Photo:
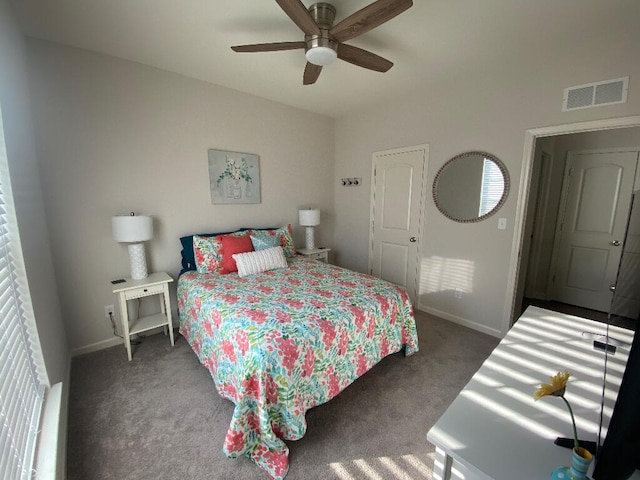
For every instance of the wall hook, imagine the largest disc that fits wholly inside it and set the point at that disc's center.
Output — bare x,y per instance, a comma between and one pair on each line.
351,181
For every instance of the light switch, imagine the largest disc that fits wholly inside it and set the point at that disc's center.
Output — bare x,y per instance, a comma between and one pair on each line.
502,223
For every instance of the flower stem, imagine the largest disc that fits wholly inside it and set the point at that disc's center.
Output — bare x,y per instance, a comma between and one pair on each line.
576,445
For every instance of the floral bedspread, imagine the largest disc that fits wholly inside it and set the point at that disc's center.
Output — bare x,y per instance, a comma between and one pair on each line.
281,342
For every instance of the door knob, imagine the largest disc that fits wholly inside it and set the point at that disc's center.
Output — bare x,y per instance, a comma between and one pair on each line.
615,243
412,239
612,287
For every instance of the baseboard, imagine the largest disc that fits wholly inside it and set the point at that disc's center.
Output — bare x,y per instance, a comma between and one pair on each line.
94,347
461,321
112,342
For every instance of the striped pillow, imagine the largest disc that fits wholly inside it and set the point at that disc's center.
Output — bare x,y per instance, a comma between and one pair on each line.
250,263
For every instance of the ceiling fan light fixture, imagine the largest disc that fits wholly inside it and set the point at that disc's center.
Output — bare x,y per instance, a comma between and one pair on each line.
321,55
321,49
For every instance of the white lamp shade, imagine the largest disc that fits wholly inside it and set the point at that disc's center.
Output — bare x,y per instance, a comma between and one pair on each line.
309,218
132,228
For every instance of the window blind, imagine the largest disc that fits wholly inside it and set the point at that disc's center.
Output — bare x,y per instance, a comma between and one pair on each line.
21,380
492,187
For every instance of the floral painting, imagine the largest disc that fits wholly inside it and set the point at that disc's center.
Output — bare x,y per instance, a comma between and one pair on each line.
234,177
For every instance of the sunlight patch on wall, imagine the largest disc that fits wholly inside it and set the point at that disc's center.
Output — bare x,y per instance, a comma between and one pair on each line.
438,274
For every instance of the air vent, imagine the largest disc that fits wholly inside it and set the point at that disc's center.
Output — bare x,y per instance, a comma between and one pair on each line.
595,94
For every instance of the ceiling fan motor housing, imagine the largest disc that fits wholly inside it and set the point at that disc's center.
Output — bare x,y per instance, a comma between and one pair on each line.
324,14
322,49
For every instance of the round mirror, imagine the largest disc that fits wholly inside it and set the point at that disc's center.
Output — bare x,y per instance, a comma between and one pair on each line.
470,187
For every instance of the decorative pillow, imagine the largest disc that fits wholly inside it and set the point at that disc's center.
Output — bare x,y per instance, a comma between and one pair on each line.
233,244
188,251
260,261
265,239
287,241
208,252
275,236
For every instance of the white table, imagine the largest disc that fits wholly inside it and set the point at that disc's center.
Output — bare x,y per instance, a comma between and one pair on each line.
495,430
154,284
320,254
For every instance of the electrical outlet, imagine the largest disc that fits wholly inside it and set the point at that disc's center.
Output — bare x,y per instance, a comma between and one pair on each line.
108,311
458,293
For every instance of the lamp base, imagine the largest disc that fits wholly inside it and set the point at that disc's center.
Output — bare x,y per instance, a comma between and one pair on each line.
309,241
137,261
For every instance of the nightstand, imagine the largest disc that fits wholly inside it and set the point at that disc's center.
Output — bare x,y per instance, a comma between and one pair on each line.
154,284
320,254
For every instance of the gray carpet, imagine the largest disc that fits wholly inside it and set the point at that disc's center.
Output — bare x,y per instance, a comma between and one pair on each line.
159,416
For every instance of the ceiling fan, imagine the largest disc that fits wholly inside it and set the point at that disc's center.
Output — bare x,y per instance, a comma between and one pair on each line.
323,41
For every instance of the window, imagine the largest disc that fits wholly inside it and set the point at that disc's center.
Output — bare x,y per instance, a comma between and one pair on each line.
492,187
22,383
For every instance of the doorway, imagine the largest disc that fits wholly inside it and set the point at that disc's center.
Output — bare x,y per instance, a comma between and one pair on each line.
528,202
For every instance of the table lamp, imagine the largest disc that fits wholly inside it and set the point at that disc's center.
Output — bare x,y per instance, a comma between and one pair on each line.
309,218
134,230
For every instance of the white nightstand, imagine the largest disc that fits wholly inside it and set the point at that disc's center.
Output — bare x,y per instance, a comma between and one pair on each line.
320,254
154,284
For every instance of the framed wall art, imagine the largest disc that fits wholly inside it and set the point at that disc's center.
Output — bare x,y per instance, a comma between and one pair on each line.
234,177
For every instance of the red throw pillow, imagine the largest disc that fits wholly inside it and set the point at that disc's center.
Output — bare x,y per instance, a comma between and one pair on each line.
234,244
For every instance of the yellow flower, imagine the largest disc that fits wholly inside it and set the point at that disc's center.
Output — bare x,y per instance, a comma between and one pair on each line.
556,386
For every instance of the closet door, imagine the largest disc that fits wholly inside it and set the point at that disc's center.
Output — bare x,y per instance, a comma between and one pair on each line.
398,193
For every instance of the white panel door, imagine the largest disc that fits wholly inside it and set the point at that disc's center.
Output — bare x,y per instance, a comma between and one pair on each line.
596,195
397,203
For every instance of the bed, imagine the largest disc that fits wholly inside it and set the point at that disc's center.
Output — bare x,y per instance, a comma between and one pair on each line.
281,341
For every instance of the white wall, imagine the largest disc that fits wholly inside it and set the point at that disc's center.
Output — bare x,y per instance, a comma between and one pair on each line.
34,237
115,136
488,106
622,137
25,183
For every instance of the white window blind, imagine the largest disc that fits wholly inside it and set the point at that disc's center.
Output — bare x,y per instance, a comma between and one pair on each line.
22,383
492,187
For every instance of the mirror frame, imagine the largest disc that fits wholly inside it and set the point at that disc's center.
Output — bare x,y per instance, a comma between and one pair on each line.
503,199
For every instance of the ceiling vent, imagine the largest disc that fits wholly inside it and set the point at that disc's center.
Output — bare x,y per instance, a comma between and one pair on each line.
595,94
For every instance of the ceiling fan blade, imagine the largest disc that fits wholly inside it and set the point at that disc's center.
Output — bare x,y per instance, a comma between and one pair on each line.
363,58
300,16
367,18
311,73
268,47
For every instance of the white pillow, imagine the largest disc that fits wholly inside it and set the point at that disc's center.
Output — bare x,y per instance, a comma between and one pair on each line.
250,263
